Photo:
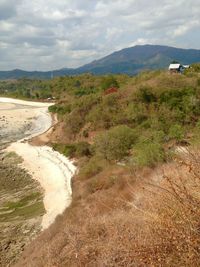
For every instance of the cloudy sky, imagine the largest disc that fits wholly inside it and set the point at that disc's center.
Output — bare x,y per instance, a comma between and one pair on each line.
52,34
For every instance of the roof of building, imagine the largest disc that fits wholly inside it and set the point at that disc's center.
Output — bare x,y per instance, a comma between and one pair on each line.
174,66
186,66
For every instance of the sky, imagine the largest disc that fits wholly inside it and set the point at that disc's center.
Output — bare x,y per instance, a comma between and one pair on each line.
54,34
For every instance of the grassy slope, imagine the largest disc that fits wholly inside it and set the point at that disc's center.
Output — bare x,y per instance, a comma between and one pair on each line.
135,202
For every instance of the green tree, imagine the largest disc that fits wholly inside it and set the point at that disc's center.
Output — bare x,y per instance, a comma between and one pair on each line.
115,143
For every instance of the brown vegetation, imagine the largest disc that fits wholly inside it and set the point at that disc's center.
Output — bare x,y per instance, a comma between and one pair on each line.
120,218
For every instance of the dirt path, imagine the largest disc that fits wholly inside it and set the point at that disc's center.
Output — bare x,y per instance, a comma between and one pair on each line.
49,167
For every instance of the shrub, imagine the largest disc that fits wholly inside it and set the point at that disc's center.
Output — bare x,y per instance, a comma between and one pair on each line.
85,103
106,114
60,109
195,67
115,143
52,108
148,153
176,131
110,101
85,133
136,112
66,149
82,149
109,81
158,136
198,124
74,123
179,99
74,150
91,168
145,95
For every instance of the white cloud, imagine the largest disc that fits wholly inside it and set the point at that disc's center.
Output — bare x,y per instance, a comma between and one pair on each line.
140,41
6,26
67,33
184,28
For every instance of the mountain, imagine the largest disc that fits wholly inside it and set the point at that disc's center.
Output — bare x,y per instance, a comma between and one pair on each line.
129,60
134,59
17,73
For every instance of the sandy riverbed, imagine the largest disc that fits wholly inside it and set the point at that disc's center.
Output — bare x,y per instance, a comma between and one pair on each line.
50,168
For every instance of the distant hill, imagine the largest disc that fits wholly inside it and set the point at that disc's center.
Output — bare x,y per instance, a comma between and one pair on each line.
129,60
17,73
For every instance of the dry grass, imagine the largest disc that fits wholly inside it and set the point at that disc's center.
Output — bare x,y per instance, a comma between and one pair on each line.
133,221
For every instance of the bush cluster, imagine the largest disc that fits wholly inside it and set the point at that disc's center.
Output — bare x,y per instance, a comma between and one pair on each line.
115,143
79,149
137,121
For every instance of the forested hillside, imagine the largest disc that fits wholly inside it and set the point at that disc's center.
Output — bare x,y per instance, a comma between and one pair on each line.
26,89
153,110
136,196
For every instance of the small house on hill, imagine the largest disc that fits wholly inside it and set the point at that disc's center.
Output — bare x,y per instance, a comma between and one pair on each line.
175,68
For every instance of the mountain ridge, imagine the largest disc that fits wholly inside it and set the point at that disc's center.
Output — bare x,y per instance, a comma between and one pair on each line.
127,60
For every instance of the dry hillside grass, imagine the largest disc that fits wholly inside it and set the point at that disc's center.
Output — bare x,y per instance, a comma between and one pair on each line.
120,218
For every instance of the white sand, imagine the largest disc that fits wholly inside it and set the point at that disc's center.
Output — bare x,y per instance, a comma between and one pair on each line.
23,102
50,168
54,173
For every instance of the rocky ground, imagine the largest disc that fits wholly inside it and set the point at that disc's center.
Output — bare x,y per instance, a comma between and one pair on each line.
21,208
17,121
21,197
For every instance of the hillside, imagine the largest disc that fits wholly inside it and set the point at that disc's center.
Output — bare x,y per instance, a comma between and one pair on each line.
129,61
142,57
136,196
17,74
